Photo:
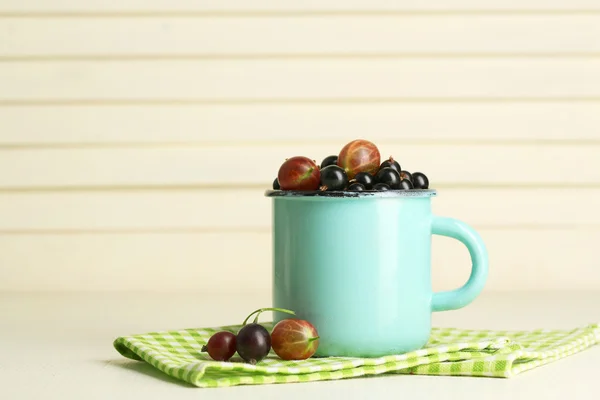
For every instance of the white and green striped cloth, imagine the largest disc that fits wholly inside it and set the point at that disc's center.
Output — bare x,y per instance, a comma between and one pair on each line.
449,352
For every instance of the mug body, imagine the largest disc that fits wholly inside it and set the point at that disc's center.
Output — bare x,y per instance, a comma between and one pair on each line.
358,268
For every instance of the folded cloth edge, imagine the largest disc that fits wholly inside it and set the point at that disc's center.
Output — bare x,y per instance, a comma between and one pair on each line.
507,358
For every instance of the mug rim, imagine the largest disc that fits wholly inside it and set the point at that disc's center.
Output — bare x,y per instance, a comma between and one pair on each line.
411,193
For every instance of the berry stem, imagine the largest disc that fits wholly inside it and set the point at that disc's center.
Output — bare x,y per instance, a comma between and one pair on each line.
312,339
204,349
260,310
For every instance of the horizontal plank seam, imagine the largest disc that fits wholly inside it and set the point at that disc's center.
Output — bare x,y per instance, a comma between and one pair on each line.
260,230
7,58
216,13
7,146
288,101
11,293
118,231
267,186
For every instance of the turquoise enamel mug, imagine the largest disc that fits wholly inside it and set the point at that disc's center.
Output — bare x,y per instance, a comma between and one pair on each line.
357,265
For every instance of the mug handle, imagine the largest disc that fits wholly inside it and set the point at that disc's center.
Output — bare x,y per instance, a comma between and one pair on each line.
458,298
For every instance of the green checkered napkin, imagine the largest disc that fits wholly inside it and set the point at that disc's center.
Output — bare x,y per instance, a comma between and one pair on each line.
449,352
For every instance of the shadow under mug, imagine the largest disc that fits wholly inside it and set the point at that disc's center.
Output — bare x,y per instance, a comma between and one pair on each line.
357,265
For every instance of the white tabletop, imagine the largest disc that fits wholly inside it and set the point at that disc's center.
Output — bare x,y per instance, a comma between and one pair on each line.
60,346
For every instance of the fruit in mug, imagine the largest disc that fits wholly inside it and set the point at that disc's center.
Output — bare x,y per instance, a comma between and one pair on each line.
381,187
420,180
359,156
333,178
356,187
221,346
299,173
391,163
294,339
253,343
406,175
356,168
405,184
390,177
366,179
330,160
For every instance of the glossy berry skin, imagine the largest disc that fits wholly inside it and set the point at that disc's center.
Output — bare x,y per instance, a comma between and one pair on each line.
356,187
406,175
333,178
294,339
359,156
405,184
330,160
299,173
221,346
276,184
390,177
253,343
391,163
420,180
366,179
381,187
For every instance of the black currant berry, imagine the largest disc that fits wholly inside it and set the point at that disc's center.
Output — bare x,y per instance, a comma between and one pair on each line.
390,177
381,187
253,343
420,180
391,163
333,178
366,179
405,184
406,175
356,187
327,161
276,184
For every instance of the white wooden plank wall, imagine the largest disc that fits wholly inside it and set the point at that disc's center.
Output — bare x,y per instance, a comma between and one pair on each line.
137,137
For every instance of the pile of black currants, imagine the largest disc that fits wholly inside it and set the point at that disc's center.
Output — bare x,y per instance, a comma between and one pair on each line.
357,168
389,177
